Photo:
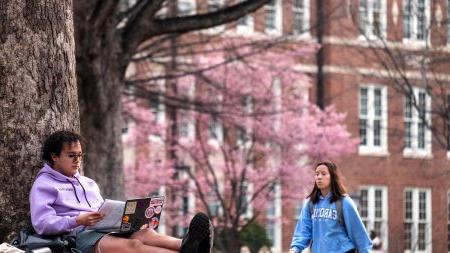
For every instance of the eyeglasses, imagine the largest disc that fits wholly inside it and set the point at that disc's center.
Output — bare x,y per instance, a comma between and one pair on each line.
75,157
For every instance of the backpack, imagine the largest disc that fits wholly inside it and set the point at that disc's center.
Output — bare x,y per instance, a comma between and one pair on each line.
28,240
340,214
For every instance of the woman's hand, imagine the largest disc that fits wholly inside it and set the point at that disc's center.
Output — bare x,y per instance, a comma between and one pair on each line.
89,219
292,251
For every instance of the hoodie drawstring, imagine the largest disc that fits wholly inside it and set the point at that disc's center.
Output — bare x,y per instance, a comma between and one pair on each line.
84,191
75,191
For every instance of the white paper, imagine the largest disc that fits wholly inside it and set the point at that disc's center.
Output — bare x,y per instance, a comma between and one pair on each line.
113,210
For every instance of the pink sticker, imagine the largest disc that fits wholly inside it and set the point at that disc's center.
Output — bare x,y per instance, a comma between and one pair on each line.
149,212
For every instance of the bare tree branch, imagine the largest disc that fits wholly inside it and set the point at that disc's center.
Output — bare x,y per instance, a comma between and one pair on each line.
146,26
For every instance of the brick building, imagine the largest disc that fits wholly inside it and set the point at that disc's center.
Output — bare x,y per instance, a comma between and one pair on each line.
383,62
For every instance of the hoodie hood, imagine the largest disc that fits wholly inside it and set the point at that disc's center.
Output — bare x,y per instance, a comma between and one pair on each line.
47,169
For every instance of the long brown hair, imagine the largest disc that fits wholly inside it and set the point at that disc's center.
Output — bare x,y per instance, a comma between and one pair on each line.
337,189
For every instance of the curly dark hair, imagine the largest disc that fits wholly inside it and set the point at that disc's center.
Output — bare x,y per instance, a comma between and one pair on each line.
54,143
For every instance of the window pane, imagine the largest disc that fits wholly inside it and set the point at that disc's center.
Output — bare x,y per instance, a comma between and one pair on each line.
407,11
408,135
377,102
422,206
214,5
408,205
408,107
377,227
363,102
377,15
363,203
214,128
185,205
299,16
363,16
408,234
377,133
363,132
378,204
270,230
270,15
421,236
421,20
185,8
422,105
421,135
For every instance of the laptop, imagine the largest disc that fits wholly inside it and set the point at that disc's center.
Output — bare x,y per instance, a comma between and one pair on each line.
129,216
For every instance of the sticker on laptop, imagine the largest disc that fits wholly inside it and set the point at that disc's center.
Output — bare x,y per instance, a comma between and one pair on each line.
156,201
149,212
126,227
158,209
130,208
154,222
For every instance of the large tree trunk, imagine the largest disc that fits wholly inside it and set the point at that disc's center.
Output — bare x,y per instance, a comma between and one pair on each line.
100,74
38,95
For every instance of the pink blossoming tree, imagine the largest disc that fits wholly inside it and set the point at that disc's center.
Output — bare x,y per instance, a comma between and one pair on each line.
248,136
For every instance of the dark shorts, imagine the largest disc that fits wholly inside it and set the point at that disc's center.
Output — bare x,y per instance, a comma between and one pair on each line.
86,239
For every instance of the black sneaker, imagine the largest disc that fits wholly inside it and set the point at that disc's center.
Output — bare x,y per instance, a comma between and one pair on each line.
206,246
198,234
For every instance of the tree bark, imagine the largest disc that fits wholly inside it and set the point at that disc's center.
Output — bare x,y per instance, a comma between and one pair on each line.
100,75
38,95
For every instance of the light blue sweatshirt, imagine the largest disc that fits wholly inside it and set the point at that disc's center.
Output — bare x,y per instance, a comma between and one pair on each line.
325,231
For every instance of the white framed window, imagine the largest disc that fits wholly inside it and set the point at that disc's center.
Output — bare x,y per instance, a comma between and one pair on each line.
215,129
186,127
301,13
157,108
373,120
244,131
277,101
187,197
417,122
273,20
373,208
372,18
246,196
416,20
273,215
417,219
186,7
245,24
215,5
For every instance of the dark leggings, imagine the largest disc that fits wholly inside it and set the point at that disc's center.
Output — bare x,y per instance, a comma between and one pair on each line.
351,251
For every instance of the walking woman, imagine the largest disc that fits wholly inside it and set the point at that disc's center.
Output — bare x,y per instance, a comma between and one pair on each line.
329,221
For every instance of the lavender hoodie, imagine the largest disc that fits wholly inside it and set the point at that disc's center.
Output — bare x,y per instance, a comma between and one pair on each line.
56,200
